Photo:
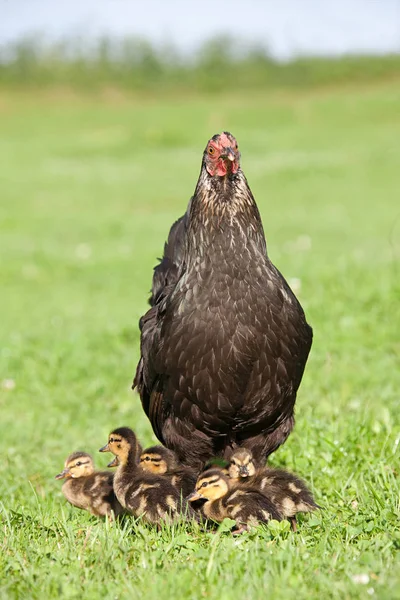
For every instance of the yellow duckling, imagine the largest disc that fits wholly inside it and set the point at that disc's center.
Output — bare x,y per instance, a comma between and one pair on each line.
89,489
161,461
287,491
223,499
144,494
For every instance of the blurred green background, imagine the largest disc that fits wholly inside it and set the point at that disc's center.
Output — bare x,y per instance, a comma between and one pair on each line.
98,157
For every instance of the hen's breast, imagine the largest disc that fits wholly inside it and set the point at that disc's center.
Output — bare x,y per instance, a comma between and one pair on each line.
227,327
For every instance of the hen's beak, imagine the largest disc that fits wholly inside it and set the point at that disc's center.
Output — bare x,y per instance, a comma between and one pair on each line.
105,448
243,471
63,474
228,153
194,496
114,463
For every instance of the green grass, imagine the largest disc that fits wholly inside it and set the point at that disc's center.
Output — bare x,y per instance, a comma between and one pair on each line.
89,188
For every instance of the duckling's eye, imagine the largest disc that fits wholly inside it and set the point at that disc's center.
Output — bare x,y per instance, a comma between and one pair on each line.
204,484
147,458
211,150
78,464
111,441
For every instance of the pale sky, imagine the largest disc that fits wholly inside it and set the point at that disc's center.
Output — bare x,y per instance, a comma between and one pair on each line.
287,27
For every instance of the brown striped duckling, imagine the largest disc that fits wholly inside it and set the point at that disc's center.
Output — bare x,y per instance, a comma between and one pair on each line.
287,491
161,461
223,499
89,489
147,495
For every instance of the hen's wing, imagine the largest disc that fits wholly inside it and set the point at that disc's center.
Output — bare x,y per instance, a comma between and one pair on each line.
167,271
165,276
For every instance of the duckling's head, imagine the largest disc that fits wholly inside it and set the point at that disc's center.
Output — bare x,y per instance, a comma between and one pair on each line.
241,464
211,485
158,459
78,464
123,443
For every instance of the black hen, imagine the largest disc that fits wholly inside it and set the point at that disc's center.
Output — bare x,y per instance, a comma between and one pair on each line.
225,343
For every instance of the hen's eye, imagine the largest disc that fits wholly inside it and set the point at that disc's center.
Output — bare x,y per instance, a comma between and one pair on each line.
211,150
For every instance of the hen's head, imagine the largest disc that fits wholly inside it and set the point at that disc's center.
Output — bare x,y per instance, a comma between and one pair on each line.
222,156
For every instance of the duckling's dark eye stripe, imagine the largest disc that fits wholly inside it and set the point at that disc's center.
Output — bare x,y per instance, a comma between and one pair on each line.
80,463
148,459
209,481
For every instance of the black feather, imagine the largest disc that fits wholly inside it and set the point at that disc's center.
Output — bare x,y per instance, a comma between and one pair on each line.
225,343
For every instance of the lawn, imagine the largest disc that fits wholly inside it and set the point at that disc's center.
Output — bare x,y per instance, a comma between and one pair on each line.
89,188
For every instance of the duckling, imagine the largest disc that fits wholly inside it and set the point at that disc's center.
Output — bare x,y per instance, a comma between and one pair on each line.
216,462
161,461
287,491
89,489
224,499
144,494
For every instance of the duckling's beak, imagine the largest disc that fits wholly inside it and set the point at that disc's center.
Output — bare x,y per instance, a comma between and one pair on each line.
113,463
63,474
194,496
105,448
243,471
